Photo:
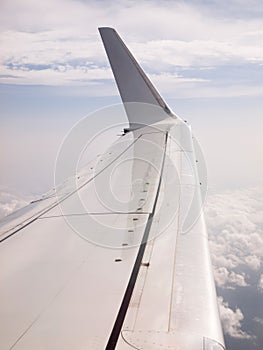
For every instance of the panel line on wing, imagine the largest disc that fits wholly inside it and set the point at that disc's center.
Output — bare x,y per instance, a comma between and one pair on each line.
114,336
43,212
13,230
97,213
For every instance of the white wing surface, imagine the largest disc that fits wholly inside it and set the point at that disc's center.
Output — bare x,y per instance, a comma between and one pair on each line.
115,262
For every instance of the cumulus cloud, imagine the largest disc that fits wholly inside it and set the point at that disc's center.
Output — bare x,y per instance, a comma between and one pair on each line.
235,229
232,320
236,235
253,261
223,278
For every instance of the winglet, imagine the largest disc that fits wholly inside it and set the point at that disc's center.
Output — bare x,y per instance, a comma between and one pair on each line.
132,82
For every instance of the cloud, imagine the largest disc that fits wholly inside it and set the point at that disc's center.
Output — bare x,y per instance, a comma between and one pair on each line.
260,283
223,278
236,235
9,203
253,261
231,320
258,320
235,229
43,45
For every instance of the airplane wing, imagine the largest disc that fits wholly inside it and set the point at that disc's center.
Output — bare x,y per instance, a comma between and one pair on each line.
116,257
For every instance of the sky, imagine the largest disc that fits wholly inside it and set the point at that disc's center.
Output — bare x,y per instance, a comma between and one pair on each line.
205,58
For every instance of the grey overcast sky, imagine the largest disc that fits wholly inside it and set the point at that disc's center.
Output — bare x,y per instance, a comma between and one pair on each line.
206,59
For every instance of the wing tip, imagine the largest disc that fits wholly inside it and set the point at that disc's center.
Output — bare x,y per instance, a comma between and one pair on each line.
103,29
132,82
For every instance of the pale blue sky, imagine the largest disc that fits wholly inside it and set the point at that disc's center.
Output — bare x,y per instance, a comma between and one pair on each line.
205,57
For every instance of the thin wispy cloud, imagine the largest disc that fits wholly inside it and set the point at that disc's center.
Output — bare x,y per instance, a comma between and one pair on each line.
63,48
260,283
